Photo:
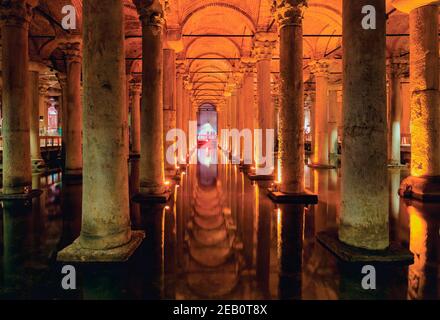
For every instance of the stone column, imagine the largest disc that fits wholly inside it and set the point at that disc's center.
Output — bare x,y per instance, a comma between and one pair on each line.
291,144
180,99
364,200
264,45
333,123
320,69
395,73
105,233
169,104
15,18
424,182
62,79
72,131
248,66
135,93
152,176
35,100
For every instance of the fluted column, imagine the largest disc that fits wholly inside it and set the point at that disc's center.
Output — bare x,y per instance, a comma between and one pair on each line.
105,232
424,182
152,149
320,69
15,18
72,131
364,200
135,94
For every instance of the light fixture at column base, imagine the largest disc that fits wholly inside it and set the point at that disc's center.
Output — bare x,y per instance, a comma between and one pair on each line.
305,197
244,167
152,198
21,196
76,253
320,166
394,254
426,189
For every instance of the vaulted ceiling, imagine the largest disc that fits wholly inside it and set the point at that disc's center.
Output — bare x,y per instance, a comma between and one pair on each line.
233,22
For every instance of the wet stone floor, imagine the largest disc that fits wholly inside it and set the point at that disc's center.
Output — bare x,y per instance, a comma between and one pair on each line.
219,238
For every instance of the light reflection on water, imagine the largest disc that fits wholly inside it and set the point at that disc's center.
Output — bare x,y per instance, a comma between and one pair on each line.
221,237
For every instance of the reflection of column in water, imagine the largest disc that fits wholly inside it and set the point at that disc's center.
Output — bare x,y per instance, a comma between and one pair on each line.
71,207
425,244
17,244
394,195
390,282
248,223
320,178
153,249
134,183
169,251
290,229
263,239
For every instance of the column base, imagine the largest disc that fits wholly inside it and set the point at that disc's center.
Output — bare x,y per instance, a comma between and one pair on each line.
396,165
134,155
72,175
152,197
260,177
425,189
394,254
38,165
244,167
320,166
21,196
305,197
75,253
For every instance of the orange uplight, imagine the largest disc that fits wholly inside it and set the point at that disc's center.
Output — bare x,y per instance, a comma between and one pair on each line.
167,183
167,208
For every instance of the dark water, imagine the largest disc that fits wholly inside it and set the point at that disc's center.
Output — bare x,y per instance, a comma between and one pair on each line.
220,237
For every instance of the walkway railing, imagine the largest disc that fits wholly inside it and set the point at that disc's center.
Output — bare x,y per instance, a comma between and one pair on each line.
45,142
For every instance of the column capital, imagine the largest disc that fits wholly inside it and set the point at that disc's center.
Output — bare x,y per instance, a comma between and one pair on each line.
17,13
62,79
320,68
264,44
181,68
135,86
289,12
408,5
151,13
71,47
247,65
397,68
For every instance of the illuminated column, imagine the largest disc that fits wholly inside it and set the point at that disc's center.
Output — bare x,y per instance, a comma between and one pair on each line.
424,182
320,68
180,72
135,93
395,73
38,95
364,203
291,144
333,122
169,104
105,232
15,18
248,92
152,151
72,130
264,45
